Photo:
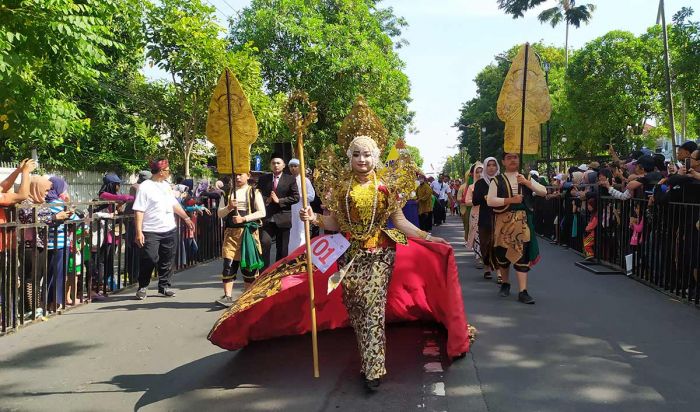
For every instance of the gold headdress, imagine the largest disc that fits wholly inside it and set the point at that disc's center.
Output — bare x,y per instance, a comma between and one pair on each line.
362,122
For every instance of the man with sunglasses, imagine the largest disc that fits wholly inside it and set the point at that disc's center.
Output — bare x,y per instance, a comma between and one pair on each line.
155,208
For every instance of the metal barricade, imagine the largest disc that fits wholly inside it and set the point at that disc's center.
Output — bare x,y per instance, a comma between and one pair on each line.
86,257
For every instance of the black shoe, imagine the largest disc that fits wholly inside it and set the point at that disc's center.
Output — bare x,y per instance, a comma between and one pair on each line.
168,293
487,275
505,290
372,384
225,301
525,297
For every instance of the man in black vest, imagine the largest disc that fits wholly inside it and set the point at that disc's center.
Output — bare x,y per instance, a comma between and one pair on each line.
510,196
279,192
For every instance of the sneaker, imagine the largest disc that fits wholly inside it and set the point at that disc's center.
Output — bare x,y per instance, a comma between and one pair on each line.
525,297
505,290
225,301
141,293
168,293
487,275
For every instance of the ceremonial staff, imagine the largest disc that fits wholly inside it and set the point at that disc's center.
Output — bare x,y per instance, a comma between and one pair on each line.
230,136
298,124
522,118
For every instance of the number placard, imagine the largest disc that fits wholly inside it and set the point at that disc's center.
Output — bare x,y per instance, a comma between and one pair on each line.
325,250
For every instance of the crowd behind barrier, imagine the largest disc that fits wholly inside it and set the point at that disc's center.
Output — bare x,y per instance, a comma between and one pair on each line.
85,257
655,243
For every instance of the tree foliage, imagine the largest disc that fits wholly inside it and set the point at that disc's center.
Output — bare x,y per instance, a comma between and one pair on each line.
334,50
50,52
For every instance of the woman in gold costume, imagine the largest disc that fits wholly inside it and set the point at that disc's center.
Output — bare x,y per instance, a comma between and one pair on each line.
362,198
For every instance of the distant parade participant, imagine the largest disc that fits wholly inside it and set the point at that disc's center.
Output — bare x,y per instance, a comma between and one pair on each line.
514,236
481,190
155,208
296,233
241,245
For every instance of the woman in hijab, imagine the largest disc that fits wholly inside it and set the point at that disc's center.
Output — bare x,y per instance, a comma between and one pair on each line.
473,235
111,184
58,244
485,225
34,210
462,199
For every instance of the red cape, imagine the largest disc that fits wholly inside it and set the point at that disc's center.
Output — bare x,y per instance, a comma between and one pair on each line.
424,286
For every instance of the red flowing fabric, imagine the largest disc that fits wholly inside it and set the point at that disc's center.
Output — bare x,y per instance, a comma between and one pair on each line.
423,286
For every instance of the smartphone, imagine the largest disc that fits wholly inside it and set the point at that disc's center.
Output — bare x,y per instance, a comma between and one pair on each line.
687,164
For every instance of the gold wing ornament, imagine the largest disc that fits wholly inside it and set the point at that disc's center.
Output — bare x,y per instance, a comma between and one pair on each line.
538,106
244,126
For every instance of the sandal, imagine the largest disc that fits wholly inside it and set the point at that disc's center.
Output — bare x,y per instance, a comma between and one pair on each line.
487,275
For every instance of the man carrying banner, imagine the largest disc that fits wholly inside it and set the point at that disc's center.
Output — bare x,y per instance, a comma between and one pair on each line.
241,245
514,235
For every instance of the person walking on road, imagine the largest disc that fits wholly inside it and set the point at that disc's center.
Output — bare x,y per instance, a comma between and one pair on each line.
514,236
155,208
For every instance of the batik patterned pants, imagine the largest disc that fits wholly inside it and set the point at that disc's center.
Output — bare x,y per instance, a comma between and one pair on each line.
364,295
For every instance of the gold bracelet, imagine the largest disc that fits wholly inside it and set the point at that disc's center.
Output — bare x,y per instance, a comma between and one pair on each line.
423,234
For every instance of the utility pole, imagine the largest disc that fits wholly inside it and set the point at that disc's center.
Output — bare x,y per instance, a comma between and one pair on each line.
661,17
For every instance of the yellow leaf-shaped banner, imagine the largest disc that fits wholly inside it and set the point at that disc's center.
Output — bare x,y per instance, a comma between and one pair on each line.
244,128
538,106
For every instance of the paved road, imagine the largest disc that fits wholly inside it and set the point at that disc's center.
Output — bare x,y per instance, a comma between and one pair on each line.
595,343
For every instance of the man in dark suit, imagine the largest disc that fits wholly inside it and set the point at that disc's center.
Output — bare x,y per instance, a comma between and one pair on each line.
280,192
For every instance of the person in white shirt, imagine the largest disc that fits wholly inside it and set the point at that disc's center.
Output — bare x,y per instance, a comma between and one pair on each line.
514,237
296,233
440,188
155,208
242,221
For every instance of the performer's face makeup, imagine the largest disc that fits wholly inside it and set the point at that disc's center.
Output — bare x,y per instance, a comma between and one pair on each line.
491,167
362,161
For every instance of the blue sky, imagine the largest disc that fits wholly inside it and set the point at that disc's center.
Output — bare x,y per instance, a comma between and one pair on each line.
452,40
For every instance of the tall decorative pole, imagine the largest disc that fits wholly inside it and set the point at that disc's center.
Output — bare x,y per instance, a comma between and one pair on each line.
299,123
661,18
522,118
230,134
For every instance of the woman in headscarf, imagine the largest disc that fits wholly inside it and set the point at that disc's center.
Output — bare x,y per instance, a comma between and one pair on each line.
58,243
463,208
36,239
473,235
491,169
109,192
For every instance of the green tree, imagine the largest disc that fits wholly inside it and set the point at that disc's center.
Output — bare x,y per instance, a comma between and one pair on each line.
185,41
334,50
49,53
685,47
568,12
415,155
612,92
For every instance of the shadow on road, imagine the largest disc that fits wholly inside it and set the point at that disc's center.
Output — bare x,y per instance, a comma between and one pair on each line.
283,367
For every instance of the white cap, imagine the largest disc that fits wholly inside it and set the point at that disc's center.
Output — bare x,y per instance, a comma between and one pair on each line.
294,162
583,167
